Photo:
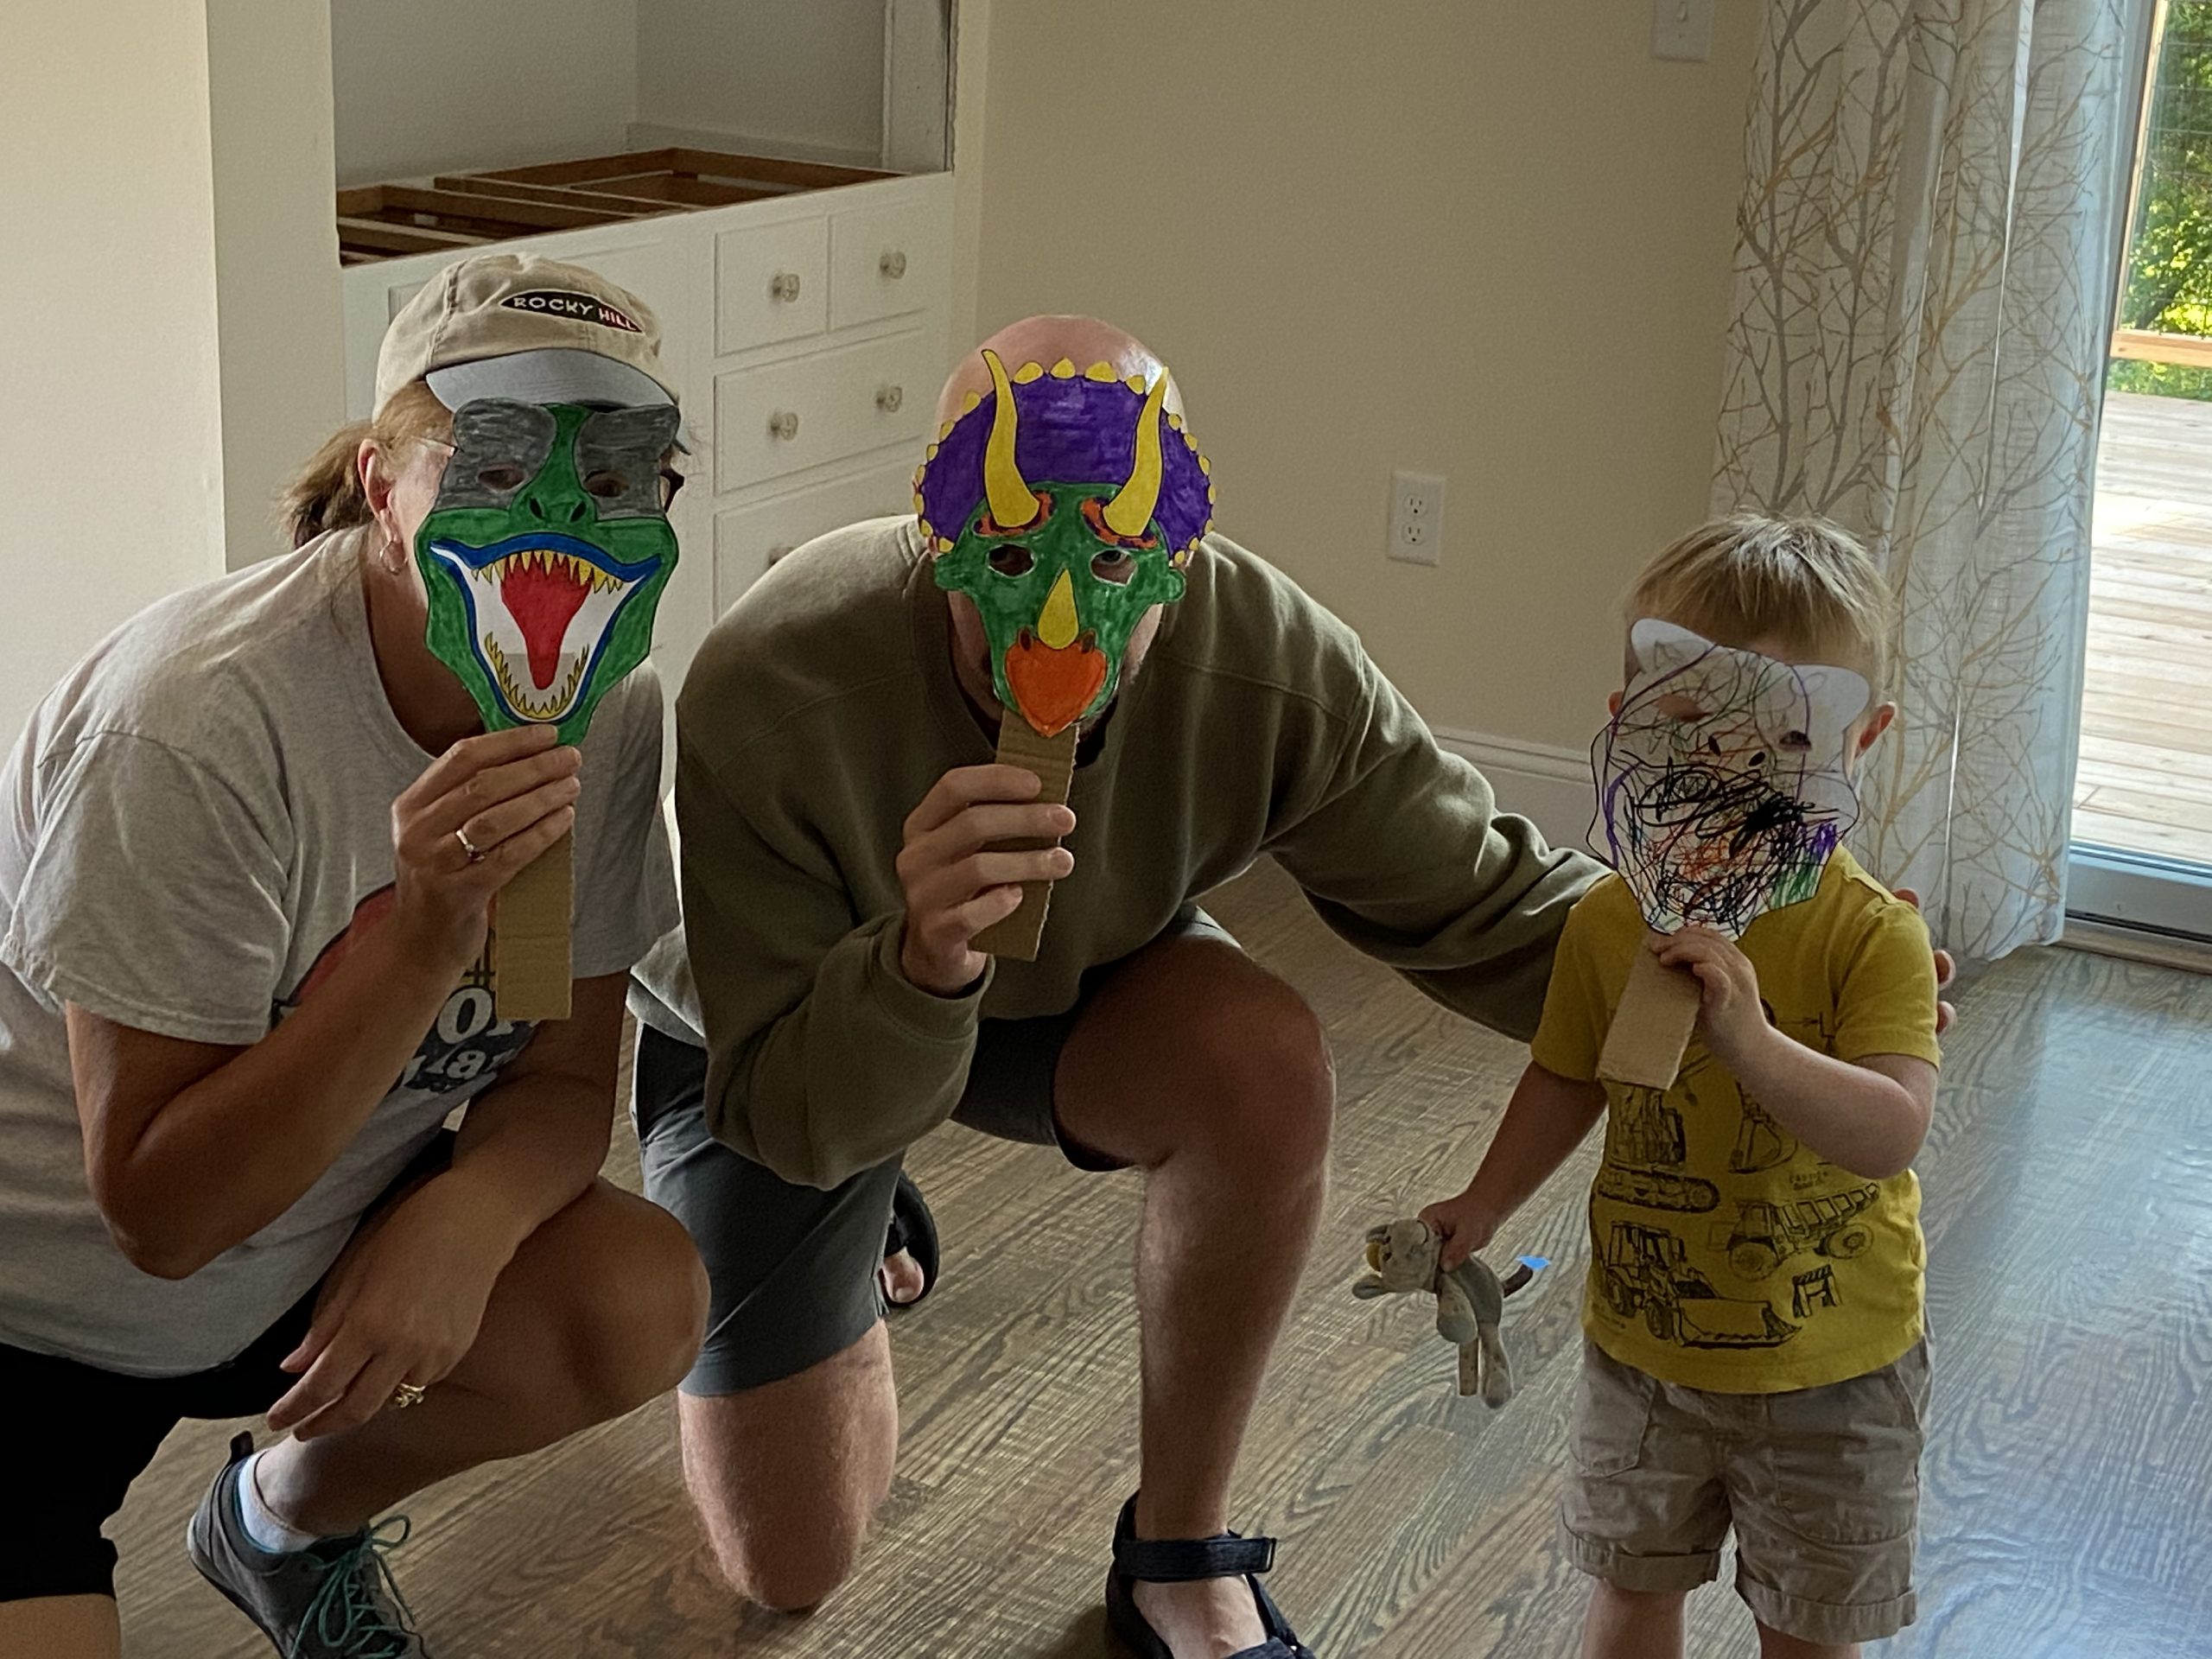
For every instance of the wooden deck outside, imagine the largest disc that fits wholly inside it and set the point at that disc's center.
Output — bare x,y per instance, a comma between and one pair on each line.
2146,779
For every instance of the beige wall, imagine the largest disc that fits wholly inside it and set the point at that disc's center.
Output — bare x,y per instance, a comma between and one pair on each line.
107,274
1486,239
808,76
424,85
282,339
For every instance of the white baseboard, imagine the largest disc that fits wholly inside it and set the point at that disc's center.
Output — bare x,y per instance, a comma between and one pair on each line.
1549,785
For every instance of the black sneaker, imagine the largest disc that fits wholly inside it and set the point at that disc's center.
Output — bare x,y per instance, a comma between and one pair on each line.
334,1599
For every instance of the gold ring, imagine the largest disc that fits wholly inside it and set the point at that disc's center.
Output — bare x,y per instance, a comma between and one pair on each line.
476,853
406,1394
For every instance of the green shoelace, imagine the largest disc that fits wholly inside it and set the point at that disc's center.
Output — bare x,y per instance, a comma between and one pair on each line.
347,1615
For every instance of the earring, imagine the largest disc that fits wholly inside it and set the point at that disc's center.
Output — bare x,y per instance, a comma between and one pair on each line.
391,557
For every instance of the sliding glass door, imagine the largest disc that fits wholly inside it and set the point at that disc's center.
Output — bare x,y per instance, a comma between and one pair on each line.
2142,852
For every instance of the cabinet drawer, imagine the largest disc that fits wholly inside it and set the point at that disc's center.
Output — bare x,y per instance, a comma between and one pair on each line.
886,262
747,540
807,412
771,282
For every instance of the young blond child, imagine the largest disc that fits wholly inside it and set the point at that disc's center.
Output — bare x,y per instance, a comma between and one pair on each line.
1755,1353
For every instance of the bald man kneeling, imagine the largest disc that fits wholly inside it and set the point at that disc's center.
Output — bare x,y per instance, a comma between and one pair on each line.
843,826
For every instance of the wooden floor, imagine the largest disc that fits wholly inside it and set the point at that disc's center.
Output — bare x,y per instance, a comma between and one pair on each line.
2070,1204
2146,778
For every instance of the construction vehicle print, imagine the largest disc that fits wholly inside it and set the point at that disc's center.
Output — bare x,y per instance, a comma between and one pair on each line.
1815,1289
1767,1234
1761,1143
1657,1189
1645,1271
1642,1129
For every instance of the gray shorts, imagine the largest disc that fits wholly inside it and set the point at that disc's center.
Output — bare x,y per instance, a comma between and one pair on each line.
794,1268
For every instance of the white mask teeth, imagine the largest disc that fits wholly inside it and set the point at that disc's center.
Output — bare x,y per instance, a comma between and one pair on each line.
577,568
501,647
549,708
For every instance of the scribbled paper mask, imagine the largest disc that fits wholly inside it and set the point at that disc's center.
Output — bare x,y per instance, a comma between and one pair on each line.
1722,783
546,554
1065,504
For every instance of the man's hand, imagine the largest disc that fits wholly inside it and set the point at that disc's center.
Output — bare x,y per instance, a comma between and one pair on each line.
1730,1011
1945,970
955,887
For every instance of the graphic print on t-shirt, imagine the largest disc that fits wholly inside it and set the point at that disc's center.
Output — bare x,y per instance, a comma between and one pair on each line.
465,1041
1785,1204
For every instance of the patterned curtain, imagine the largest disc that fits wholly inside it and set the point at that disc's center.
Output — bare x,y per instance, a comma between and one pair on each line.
1923,290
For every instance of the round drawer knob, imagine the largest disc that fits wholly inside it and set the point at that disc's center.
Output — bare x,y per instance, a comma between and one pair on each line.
784,285
784,423
893,264
888,399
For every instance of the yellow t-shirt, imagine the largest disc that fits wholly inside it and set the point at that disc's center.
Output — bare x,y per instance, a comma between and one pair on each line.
1723,1254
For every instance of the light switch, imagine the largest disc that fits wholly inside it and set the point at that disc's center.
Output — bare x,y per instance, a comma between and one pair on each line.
1681,29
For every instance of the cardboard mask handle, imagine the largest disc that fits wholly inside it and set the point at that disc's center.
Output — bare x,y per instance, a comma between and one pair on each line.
1053,759
1651,1027
530,977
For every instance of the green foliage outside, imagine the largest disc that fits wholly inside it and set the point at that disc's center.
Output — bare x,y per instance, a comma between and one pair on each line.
2168,288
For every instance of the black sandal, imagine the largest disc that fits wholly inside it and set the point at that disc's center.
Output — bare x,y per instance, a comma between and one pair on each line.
913,1229
1177,1561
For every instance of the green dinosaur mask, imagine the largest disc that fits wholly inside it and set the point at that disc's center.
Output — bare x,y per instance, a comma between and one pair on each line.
1059,603
546,554
1064,544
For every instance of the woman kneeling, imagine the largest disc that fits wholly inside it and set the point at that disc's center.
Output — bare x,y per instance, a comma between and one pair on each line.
247,856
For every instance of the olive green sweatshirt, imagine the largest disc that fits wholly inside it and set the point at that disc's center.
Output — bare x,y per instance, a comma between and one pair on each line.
823,707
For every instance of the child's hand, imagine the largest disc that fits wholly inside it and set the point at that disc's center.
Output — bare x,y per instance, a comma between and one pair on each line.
1464,1223
1730,1013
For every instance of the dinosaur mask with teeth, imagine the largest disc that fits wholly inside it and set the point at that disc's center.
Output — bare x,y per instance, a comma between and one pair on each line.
1066,505
546,554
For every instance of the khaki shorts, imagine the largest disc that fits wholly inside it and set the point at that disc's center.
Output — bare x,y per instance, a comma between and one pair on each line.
1821,1485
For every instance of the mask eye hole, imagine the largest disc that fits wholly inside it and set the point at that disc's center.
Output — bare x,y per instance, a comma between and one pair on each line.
607,486
1676,706
1797,742
1116,565
502,479
1012,560
1094,515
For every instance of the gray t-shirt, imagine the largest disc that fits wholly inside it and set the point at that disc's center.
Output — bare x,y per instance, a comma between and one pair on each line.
194,826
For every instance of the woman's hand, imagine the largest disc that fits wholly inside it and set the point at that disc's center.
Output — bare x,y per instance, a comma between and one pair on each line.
403,1305
510,795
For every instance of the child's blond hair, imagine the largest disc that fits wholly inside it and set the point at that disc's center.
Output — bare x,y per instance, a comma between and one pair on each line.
1750,575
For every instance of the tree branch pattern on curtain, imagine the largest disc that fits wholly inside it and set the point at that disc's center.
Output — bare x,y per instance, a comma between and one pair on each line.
1923,284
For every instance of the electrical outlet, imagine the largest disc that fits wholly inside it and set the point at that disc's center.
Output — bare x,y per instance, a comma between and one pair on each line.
1416,516
1682,31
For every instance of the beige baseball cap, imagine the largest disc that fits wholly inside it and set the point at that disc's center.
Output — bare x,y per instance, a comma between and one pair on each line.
537,330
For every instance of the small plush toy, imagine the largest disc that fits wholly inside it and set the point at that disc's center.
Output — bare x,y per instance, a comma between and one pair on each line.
1470,1299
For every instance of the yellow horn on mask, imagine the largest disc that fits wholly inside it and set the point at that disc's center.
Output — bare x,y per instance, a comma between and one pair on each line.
1129,513
1013,503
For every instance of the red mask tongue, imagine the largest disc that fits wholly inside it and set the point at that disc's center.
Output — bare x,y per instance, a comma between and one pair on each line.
543,598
